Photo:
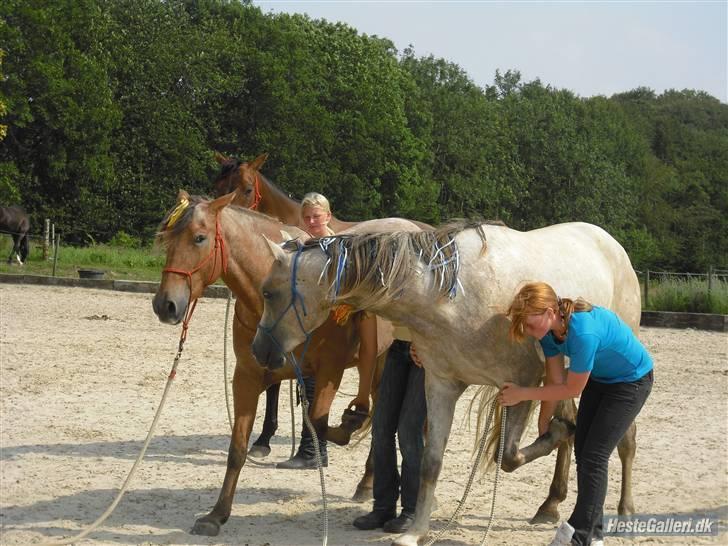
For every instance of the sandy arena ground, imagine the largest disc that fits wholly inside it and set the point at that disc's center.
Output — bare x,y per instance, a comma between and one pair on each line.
82,372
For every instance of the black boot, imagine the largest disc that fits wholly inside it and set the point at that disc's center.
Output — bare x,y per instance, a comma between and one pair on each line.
373,520
399,524
305,457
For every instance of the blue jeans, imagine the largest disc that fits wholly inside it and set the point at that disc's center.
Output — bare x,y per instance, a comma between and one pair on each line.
606,410
400,410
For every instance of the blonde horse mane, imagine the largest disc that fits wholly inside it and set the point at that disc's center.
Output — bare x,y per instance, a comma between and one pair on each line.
366,270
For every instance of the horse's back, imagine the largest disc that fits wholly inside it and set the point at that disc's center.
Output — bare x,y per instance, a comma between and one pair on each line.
381,225
577,259
15,219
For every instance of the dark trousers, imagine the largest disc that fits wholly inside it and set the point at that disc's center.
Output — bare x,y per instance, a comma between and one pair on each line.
606,411
400,411
306,448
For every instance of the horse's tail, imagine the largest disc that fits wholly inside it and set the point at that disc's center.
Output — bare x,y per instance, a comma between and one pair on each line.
24,247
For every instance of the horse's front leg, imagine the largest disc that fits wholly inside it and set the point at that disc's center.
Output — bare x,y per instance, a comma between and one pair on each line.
261,447
442,395
548,512
247,386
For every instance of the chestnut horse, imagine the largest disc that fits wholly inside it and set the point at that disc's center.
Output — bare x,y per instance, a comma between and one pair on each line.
254,191
207,240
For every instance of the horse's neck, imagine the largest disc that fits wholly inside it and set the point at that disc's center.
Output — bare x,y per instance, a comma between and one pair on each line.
275,203
249,258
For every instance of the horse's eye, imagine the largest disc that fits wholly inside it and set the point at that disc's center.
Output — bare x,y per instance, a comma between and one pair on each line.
200,239
248,191
267,295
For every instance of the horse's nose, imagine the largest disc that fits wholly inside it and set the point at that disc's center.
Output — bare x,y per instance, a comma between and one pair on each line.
167,309
266,353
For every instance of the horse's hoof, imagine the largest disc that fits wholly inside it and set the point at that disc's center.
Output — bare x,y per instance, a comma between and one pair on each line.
363,494
206,527
408,540
338,436
544,517
259,451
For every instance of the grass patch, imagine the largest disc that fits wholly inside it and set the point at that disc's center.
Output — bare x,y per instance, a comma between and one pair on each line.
688,296
117,262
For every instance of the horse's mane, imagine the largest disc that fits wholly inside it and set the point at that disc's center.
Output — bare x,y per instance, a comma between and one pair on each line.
365,270
165,233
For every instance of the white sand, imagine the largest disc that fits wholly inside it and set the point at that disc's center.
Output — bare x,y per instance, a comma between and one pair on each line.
78,393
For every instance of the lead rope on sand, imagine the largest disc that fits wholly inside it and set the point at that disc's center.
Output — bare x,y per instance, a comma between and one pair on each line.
227,389
478,457
148,439
317,451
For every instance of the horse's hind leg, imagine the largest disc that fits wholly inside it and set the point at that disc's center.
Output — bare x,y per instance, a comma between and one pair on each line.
15,252
365,487
627,448
261,447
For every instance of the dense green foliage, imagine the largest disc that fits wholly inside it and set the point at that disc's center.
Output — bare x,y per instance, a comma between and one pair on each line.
114,105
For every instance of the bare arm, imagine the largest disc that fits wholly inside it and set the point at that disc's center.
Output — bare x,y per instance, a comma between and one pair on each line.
511,394
367,361
555,375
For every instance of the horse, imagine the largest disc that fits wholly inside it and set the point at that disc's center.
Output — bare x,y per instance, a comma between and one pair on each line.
207,240
451,287
254,191
15,221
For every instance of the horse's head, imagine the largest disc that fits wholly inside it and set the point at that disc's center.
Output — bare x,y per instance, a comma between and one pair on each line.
196,254
243,177
294,302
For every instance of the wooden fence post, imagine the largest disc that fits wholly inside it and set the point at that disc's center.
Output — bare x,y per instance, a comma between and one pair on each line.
46,235
56,244
710,279
647,284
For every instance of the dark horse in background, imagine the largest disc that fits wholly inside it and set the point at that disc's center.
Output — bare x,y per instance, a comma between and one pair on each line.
15,221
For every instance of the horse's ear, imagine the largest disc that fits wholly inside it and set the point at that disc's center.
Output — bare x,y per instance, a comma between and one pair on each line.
285,236
275,250
257,163
220,158
182,195
221,202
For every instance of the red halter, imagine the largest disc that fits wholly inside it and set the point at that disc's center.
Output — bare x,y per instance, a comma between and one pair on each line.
219,244
257,198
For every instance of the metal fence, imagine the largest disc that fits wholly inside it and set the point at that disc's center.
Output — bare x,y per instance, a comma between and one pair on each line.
711,276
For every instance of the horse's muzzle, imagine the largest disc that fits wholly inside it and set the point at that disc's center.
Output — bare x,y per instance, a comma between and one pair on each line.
168,309
267,352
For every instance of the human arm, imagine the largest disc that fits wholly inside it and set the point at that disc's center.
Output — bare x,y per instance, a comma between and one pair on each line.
367,361
555,375
414,356
511,394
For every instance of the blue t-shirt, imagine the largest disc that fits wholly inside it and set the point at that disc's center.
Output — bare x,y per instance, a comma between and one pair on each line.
601,343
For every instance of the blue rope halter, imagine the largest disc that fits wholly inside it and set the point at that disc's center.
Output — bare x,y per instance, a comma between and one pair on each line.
295,296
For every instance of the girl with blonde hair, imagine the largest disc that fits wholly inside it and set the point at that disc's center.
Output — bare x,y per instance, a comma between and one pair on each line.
608,367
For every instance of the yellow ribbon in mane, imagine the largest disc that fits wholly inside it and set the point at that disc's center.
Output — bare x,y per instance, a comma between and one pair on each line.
177,212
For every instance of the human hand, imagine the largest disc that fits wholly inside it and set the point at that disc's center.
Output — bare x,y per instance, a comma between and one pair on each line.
414,357
509,395
359,403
